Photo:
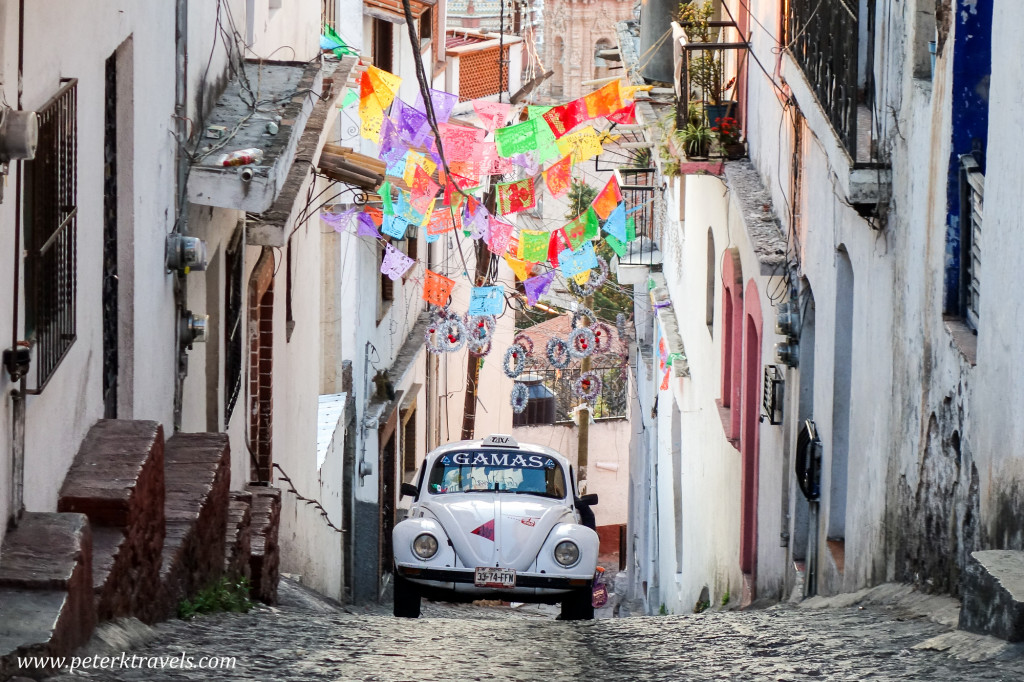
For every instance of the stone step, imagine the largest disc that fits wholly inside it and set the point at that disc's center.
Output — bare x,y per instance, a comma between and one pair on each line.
237,536
197,471
993,594
265,558
46,597
117,480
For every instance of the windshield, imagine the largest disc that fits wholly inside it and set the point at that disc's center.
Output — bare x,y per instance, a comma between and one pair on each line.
497,471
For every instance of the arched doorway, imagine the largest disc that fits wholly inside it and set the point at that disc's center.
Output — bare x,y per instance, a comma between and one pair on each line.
750,413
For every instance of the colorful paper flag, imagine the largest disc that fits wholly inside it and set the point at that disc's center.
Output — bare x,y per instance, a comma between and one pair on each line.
572,263
516,196
384,192
437,288
499,233
617,246
443,103
412,123
487,300
583,145
440,222
384,84
395,263
606,200
615,225
339,221
422,188
526,162
624,116
477,220
493,115
604,101
582,228
394,226
559,242
559,176
520,267
459,141
517,139
564,118
536,286
533,245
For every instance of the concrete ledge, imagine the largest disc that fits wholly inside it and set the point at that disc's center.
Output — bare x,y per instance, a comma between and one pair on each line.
993,594
238,535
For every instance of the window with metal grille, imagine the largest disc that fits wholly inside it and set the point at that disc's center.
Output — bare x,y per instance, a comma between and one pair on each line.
972,196
233,331
50,234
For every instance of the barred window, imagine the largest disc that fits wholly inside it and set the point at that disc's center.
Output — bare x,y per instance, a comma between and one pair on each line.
972,201
50,234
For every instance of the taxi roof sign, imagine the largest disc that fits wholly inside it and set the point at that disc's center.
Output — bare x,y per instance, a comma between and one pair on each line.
499,440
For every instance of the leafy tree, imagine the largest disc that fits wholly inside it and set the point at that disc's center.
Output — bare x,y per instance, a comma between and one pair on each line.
581,195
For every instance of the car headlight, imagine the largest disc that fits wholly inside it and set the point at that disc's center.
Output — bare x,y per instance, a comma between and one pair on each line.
425,545
567,553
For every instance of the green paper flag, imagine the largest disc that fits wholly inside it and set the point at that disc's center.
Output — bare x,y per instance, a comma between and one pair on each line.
517,139
630,229
591,225
385,197
534,245
617,246
351,97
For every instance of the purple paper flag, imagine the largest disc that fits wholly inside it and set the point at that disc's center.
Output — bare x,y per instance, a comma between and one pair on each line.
395,262
443,104
366,226
526,162
339,221
391,146
536,286
412,124
476,220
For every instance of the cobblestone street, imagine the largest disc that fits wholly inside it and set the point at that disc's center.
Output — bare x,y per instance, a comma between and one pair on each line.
307,639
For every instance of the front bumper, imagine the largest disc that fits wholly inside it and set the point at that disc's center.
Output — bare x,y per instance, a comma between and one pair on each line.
466,577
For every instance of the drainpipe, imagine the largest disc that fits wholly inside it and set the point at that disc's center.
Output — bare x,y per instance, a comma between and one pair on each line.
18,395
181,205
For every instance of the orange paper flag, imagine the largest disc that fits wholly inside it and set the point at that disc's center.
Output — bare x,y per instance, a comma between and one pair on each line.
559,175
437,288
607,199
604,101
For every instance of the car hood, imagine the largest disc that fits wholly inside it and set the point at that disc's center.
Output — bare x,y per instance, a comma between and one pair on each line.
498,530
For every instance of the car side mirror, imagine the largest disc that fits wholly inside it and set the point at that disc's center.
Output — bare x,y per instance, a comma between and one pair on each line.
409,489
589,500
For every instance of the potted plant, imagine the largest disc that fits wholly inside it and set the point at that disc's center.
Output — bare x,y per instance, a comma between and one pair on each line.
705,72
727,129
696,139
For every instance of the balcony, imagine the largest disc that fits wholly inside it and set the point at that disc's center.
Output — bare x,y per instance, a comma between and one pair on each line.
639,194
829,70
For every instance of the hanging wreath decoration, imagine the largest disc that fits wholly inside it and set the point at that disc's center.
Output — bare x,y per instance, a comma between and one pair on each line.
519,397
582,342
587,386
453,334
526,342
602,337
431,337
582,312
620,324
514,361
558,353
479,330
594,283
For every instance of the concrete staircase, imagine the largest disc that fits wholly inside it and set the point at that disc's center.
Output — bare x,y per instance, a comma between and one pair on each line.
140,526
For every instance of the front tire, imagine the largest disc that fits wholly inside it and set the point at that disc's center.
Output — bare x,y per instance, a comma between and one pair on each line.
407,598
578,605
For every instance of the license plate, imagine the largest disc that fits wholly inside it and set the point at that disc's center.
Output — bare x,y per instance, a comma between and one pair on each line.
495,577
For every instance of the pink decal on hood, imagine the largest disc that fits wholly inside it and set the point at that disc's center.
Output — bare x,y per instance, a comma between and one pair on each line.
486,530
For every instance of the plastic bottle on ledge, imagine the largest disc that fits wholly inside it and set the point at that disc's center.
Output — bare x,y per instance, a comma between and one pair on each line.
242,157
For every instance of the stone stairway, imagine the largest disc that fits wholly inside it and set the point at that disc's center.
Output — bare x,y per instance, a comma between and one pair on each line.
140,526
46,595
993,594
117,480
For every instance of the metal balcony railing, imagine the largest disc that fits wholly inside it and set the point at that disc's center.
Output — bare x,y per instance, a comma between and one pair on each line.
638,193
824,35
612,401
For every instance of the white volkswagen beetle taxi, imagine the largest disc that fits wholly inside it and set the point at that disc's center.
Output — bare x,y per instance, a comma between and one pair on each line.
495,519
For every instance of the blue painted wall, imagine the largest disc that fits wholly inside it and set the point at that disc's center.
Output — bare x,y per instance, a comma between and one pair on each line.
972,69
